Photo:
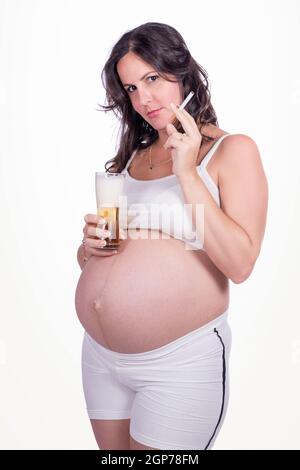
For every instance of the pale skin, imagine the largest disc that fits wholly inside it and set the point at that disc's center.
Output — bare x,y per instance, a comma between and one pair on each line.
233,232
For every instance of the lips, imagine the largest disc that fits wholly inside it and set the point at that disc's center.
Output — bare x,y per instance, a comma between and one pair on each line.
154,112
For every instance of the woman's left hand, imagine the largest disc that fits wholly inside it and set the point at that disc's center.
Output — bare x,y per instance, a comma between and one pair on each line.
185,147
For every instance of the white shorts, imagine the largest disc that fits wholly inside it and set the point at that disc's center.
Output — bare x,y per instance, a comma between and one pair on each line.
175,396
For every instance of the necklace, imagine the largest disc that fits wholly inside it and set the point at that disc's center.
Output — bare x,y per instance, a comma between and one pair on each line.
151,165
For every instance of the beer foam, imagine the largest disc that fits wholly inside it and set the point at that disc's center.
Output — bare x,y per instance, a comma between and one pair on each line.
108,190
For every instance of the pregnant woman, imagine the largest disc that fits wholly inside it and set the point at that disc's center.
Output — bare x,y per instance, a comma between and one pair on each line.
155,313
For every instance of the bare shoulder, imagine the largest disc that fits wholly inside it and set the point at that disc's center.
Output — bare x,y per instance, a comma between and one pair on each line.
238,149
240,165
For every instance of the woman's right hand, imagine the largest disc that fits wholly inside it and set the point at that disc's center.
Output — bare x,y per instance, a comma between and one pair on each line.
93,231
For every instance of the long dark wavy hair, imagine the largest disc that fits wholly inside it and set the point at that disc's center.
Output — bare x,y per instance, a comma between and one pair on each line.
161,46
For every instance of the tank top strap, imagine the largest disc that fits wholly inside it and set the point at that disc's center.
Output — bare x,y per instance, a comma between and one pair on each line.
210,153
130,159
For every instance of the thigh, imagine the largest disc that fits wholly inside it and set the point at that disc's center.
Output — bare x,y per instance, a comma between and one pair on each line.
183,403
135,445
106,397
112,434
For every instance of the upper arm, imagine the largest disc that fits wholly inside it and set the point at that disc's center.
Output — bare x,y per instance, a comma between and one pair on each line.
243,187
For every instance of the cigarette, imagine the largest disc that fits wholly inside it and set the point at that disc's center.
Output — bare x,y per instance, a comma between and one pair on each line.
187,99
183,105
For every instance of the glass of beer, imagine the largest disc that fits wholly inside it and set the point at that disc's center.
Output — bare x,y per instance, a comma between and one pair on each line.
109,188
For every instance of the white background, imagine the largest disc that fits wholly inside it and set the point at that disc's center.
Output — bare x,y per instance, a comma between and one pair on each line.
53,139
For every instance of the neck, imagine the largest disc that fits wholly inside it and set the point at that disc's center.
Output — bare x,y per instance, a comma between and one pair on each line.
158,148
162,137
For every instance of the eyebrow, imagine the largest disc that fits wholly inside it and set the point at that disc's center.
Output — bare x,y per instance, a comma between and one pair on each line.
142,78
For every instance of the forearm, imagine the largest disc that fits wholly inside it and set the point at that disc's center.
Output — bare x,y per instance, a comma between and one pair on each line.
225,242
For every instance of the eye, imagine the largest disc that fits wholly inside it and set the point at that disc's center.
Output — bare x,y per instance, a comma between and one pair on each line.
128,89
154,77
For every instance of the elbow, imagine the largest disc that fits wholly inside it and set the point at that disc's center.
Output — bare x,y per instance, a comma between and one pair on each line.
241,275
239,279
245,268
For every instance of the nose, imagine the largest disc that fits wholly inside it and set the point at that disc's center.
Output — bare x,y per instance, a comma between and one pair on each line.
145,97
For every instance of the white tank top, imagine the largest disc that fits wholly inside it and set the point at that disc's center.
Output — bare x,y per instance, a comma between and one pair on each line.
158,204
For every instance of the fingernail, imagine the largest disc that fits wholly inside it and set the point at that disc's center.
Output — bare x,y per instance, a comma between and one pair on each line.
99,233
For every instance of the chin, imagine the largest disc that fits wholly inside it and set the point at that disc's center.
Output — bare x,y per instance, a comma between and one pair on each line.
159,125
159,128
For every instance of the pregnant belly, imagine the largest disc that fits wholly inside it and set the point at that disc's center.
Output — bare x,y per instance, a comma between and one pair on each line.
149,294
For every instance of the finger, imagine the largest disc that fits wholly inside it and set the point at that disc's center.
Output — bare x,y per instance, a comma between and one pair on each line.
101,233
186,124
176,135
191,119
87,231
94,219
97,232
100,252
175,141
94,243
171,128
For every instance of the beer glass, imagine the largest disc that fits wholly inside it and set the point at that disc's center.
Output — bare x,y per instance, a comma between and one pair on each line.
109,188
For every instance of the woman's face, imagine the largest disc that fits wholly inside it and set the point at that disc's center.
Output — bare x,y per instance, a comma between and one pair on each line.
148,91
